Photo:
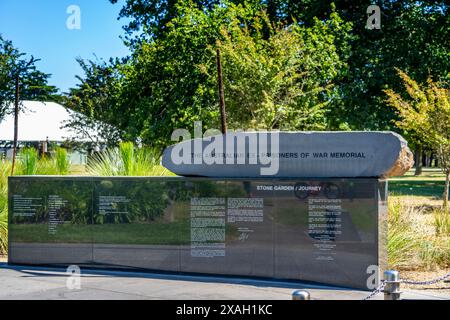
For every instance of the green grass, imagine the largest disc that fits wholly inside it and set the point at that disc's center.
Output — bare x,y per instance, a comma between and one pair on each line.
433,174
424,188
402,242
430,184
441,222
410,244
5,170
62,163
27,161
434,252
3,231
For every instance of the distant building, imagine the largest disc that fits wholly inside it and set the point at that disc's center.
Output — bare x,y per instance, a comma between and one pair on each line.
41,124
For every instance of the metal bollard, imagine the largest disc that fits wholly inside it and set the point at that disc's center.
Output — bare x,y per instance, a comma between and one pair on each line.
392,287
301,295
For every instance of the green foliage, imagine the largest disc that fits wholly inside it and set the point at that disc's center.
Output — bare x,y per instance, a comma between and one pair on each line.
5,170
33,83
47,166
434,252
441,222
287,64
127,155
30,164
4,231
413,37
401,241
278,76
426,113
410,245
275,75
62,162
98,103
28,161
126,161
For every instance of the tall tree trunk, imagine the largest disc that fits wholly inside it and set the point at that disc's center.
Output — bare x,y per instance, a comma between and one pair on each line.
424,159
418,154
223,114
16,124
445,195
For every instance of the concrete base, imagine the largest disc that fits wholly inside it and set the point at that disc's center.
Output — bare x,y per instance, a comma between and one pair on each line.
37,283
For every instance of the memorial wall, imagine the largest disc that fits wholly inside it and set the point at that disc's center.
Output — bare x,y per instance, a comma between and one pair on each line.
327,231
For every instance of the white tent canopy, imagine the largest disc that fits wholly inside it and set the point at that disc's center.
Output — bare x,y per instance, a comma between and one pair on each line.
39,121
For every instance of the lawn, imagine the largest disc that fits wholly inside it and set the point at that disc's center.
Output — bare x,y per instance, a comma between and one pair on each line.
430,184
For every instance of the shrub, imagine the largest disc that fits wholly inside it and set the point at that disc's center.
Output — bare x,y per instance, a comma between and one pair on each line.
126,161
441,222
128,158
5,170
28,161
434,252
47,166
4,231
61,161
402,242
106,163
414,241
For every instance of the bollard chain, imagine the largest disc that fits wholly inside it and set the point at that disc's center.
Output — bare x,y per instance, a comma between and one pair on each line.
376,291
424,283
406,281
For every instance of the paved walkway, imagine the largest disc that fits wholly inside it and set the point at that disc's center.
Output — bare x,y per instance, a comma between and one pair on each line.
24,282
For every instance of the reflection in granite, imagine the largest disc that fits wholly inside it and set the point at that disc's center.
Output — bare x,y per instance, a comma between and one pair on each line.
321,230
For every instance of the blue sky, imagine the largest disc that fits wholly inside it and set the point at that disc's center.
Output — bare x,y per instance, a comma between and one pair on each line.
38,28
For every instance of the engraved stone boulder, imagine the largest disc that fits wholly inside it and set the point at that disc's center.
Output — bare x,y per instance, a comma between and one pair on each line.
291,154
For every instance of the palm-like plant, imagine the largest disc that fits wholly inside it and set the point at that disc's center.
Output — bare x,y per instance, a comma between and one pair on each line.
28,160
126,161
62,162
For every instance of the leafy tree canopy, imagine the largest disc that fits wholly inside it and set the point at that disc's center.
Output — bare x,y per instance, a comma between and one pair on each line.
275,75
304,64
33,83
426,113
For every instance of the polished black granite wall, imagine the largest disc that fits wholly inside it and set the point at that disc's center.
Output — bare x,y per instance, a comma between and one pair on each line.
330,231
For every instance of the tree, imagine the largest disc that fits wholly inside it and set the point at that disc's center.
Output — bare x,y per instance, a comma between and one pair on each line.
426,113
412,37
20,80
33,83
96,102
148,19
275,75
8,57
281,76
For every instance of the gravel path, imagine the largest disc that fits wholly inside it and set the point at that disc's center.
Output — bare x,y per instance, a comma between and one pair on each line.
442,287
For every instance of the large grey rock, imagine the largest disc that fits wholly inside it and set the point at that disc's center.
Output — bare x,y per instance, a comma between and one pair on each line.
292,154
